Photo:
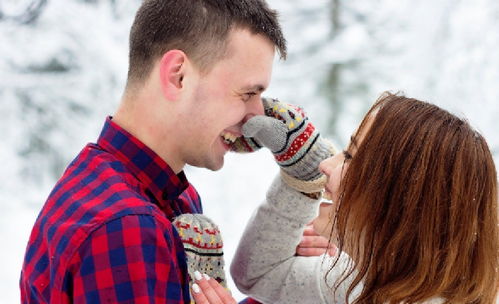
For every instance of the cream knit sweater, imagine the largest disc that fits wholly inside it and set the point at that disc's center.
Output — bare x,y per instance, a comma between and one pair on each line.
265,266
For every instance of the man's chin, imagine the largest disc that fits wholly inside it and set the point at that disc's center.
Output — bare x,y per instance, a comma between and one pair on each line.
211,163
216,168
215,165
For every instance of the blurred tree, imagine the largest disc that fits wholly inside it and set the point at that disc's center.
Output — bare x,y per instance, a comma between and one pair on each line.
66,71
326,70
29,11
331,86
344,87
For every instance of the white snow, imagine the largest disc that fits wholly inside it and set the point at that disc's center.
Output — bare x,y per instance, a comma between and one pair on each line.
60,77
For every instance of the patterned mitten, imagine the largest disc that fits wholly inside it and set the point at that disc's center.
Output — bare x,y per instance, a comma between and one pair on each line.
296,144
203,246
245,145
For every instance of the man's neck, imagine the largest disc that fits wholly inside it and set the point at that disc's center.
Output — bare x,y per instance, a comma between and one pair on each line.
142,123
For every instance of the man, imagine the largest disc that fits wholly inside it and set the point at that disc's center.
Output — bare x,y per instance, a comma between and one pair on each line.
196,73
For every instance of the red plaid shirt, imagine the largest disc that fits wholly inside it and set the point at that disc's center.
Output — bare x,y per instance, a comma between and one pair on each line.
105,235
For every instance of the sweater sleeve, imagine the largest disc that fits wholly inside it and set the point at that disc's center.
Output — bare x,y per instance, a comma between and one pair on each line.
265,266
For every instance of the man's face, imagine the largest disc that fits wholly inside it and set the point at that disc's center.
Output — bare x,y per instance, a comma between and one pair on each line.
224,98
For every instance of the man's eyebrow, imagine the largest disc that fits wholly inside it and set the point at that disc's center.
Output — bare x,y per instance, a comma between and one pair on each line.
254,88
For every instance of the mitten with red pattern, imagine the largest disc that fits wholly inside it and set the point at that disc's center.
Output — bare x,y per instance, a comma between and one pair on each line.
296,144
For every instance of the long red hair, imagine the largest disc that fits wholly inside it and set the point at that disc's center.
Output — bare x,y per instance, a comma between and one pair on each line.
418,208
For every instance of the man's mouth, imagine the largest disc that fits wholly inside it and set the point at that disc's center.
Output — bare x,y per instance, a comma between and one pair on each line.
229,138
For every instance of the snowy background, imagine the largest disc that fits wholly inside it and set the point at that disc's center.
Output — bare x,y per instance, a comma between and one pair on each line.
63,65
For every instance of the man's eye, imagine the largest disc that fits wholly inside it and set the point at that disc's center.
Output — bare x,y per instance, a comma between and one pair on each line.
247,96
347,155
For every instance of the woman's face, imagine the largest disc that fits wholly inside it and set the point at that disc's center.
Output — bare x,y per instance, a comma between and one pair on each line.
335,168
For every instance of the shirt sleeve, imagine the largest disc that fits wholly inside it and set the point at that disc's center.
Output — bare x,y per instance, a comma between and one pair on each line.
265,266
132,259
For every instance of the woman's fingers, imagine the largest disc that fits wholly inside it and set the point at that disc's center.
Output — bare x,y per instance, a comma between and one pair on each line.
209,291
309,230
223,293
203,293
198,295
313,244
303,250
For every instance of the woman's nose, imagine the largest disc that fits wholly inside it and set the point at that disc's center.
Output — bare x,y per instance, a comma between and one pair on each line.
323,167
329,164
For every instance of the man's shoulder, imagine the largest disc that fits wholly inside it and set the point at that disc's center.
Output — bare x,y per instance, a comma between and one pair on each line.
93,159
94,175
95,188
94,169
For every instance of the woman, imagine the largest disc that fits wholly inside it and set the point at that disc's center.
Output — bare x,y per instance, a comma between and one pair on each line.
414,217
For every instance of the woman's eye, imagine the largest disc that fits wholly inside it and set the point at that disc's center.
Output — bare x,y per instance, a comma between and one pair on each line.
347,155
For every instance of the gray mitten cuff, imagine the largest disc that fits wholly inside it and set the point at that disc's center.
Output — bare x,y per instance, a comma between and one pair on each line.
309,187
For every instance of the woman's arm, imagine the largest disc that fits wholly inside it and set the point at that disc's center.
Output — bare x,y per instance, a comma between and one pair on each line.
265,266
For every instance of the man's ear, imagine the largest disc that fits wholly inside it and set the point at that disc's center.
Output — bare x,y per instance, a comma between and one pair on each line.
171,70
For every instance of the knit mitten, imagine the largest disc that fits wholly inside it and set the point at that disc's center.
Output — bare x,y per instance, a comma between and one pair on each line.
245,145
203,246
296,144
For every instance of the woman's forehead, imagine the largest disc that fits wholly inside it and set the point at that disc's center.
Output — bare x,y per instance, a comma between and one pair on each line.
358,136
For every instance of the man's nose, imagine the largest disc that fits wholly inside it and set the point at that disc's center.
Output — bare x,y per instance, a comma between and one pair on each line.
254,108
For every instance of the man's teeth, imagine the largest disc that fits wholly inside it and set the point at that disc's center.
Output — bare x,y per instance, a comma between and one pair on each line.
229,138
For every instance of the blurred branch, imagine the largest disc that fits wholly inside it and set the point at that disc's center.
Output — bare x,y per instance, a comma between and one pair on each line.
331,89
333,80
29,15
335,17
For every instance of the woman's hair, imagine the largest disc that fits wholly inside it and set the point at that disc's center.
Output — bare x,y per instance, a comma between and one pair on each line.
418,207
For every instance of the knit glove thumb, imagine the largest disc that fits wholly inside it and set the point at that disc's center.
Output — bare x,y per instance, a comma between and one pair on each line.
296,144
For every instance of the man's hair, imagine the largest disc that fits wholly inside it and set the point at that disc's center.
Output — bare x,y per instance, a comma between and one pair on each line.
418,204
199,28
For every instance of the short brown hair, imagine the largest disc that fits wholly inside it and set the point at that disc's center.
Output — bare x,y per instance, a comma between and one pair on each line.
198,27
420,195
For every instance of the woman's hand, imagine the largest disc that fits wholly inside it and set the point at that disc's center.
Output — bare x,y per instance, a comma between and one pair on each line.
312,244
208,291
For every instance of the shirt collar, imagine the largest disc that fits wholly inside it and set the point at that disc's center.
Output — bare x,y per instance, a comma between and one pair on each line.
150,169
